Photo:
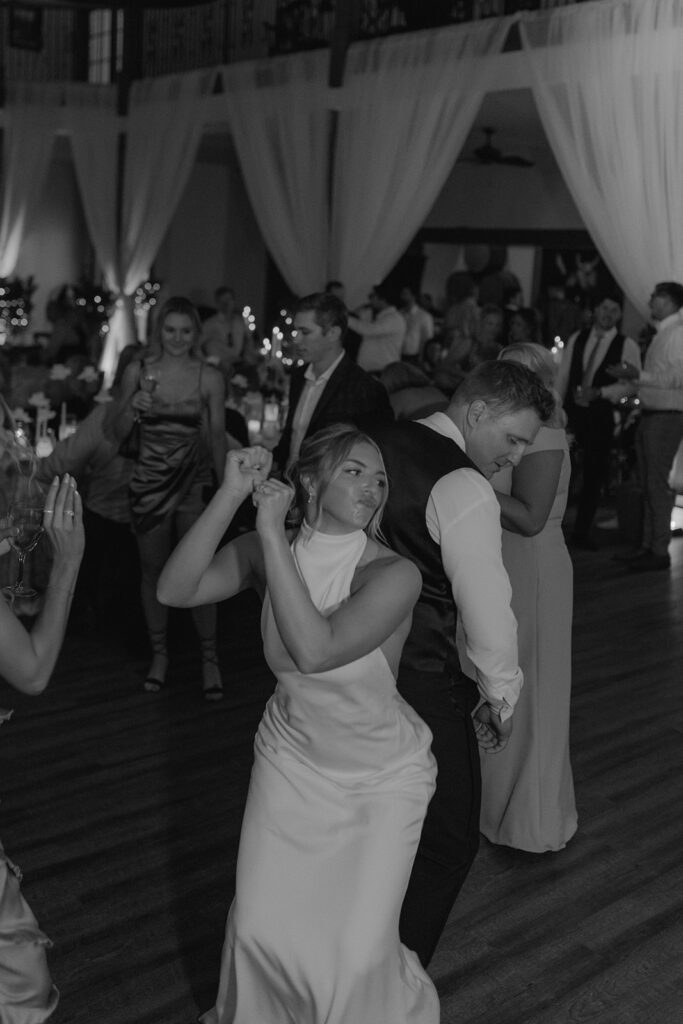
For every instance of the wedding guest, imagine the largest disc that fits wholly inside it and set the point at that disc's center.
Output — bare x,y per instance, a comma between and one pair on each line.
337,289
342,771
110,570
442,513
527,791
419,325
26,662
659,386
524,325
585,386
224,334
177,403
329,387
384,335
352,340
461,316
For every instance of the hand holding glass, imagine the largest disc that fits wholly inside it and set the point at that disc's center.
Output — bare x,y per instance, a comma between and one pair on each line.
28,520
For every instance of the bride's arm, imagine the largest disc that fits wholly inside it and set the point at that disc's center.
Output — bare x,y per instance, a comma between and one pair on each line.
315,642
197,573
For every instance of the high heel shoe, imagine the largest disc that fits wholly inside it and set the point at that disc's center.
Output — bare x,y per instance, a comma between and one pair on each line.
212,685
155,682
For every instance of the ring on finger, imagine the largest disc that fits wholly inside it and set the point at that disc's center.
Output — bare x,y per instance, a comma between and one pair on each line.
69,513
49,511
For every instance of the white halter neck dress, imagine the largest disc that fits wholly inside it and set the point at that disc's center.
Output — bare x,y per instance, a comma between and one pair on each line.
342,776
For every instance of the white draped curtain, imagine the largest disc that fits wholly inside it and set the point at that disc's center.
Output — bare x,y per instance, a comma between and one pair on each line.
407,106
30,113
91,119
165,127
608,83
279,118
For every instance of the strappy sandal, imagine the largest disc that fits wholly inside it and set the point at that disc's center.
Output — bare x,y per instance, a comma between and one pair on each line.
152,684
211,690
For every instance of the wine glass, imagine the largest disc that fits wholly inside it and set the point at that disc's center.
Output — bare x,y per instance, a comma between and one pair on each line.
29,522
149,383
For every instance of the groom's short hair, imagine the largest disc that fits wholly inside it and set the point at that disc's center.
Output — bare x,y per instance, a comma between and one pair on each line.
506,386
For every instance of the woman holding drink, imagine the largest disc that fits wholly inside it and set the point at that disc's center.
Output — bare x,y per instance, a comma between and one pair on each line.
178,404
26,662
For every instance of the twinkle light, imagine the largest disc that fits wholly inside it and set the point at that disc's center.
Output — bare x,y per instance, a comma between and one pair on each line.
146,296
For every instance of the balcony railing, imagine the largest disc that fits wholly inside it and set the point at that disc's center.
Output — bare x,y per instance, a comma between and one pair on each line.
223,31
46,51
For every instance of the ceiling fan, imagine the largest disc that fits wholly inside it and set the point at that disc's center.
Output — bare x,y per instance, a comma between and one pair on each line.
487,153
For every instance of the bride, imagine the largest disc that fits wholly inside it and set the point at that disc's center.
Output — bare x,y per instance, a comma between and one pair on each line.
343,770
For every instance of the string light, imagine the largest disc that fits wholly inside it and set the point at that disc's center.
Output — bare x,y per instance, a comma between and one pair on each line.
15,305
146,296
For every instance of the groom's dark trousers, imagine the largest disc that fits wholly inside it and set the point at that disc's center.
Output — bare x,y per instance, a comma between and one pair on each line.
430,680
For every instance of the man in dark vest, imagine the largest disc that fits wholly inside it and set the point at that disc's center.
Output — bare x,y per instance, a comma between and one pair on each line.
443,514
588,393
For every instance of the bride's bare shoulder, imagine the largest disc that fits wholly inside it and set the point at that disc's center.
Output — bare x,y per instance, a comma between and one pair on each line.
379,558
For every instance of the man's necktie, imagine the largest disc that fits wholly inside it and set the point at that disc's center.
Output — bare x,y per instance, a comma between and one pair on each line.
593,361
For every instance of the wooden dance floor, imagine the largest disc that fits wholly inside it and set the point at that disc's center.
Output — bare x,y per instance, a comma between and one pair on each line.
124,808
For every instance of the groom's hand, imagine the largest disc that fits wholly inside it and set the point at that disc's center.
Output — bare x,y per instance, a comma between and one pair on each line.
492,734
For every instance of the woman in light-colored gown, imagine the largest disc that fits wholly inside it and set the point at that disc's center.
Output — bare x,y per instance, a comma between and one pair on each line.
527,789
27,995
343,770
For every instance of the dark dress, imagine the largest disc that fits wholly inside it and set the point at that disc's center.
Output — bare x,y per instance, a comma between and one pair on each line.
173,466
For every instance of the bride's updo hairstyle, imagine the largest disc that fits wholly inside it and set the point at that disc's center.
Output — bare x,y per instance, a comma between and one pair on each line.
320,459
540,360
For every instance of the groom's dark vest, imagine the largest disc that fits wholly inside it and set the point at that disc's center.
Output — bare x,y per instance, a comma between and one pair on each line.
415,458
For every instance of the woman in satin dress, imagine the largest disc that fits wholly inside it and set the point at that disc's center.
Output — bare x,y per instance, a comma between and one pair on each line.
343,770
179,402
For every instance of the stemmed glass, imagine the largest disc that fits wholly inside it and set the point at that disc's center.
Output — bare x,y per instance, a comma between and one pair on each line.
29,521
149,383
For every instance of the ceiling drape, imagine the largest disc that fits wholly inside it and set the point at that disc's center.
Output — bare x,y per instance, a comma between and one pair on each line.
608,83
165,126
279,117
408,104
28,140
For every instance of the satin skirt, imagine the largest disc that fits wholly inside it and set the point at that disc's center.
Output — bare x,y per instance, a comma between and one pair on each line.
27,995
324,862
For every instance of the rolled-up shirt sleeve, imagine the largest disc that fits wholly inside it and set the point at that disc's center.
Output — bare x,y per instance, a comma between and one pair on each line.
463,517
665,365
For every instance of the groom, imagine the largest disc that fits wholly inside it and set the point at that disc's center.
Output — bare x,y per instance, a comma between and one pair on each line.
443,514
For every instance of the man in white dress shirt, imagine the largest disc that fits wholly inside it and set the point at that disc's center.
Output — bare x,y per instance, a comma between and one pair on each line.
659,386
224,333
419,325
442,513
589,393
383,337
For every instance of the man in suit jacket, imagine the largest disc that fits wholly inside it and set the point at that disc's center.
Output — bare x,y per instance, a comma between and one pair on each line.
330,388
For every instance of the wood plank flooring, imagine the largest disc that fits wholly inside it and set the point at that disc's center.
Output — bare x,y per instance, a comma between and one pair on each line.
124,809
